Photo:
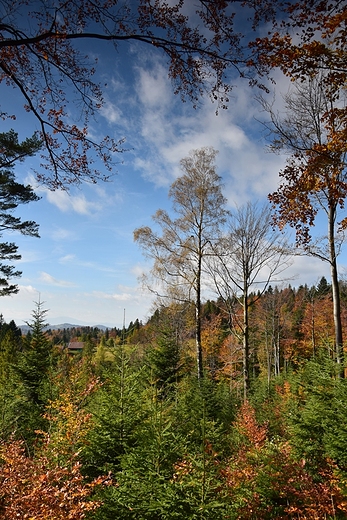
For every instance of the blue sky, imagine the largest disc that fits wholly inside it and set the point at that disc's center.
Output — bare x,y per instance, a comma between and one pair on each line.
85,266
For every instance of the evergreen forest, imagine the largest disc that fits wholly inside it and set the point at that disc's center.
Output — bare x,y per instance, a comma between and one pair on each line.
125,429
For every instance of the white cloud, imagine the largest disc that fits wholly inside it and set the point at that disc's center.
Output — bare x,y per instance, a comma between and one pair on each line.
167,130
67,259
67,202
138,270
247,169
73,259
124,297
111,112
154,89
28,256
28,290
306,270
50,280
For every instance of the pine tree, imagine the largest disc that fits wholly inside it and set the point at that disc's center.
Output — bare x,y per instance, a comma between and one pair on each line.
12,194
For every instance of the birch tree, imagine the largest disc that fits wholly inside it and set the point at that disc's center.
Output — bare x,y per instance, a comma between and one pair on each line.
179,250
248,258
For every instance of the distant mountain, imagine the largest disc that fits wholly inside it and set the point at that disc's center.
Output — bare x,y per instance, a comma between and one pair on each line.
62,320
61,326
70,326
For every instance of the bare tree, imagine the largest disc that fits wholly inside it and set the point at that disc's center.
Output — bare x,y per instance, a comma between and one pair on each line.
314,179
179,251
248,258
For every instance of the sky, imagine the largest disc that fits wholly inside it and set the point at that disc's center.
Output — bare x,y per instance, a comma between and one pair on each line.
85,268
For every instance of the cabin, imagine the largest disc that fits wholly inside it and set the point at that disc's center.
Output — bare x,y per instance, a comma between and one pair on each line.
75,347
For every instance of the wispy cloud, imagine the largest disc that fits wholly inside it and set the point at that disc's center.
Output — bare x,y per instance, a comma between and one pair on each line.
153,87
139,269
28,256
28,290
50,280
71,203
67,259
123,297
74,260
63,234
111,112
169,130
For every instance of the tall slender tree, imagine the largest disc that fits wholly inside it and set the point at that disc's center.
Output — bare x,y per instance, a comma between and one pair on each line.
314,179
179,252
250,256
35,361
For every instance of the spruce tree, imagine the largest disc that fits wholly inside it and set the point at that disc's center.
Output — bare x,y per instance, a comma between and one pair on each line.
117,412
36,358
32,372
10,345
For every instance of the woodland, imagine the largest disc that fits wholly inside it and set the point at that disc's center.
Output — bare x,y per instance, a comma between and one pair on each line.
125,429
232,406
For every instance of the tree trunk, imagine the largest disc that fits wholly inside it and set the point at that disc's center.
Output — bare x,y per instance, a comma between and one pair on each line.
198,323
335,291
245,346
313,326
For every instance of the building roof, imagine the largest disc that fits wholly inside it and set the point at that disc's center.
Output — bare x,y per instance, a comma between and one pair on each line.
75,346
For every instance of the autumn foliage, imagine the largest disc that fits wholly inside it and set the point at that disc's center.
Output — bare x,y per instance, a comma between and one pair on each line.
34,489
41,62
145,439
267,481
181,446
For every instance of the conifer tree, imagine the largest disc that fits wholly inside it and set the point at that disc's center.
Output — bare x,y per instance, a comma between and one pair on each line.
10,347
36,360
117,411
12,194
32,372
100,355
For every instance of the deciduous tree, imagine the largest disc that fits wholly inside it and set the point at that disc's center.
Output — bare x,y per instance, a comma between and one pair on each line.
308,38
41,60
250,255
33,488
179,252
314,179
266,480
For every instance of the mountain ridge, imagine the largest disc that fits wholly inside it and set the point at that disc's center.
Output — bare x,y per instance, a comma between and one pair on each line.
61,326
